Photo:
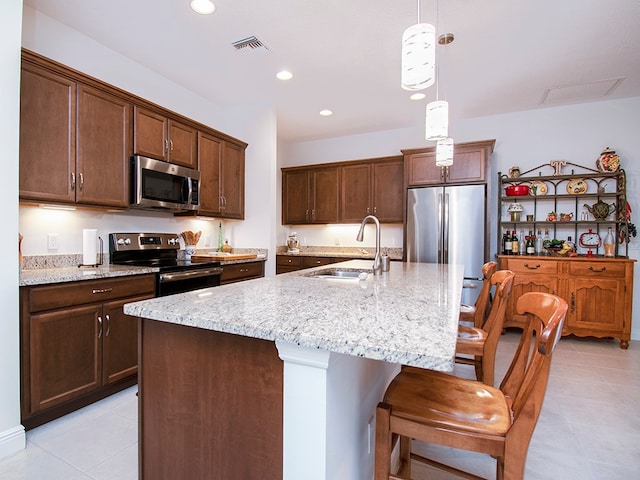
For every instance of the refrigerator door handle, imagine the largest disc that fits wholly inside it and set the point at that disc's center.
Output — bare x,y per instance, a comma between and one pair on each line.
440,219
446,228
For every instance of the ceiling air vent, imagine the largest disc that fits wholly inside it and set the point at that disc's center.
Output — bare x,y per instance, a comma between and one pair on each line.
580,91
249,44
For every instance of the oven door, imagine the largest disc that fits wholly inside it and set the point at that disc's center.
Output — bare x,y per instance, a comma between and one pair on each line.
186,280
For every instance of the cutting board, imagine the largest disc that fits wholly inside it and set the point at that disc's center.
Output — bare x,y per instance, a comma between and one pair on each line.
224,256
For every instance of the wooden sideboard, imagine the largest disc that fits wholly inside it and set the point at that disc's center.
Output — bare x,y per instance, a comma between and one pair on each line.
599,292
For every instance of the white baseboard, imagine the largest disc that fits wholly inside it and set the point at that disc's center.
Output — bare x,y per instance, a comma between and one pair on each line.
12,441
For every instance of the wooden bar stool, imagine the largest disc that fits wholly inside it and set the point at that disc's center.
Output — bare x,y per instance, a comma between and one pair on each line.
474,314
438,408
482,342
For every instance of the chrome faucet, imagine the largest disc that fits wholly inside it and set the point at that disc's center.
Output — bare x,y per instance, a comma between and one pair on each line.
377,267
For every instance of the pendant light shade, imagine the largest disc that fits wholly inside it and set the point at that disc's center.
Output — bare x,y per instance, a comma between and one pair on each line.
418,56
437,121
444,152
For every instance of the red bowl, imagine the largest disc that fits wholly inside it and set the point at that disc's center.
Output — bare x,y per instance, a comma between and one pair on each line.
517,190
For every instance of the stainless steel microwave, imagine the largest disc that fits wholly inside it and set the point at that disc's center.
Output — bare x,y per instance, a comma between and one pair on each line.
156,185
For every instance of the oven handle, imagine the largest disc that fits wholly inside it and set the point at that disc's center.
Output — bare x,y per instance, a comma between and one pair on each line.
176,276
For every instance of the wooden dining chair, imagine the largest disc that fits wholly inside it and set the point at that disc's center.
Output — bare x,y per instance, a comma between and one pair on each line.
474,314
481,342
439,408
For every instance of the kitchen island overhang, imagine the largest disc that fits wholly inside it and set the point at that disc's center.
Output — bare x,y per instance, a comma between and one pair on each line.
341,342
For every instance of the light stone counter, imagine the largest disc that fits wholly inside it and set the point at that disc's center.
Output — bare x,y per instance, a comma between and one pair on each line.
408,315
42,276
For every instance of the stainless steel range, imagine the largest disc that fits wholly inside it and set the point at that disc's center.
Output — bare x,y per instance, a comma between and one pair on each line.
161,250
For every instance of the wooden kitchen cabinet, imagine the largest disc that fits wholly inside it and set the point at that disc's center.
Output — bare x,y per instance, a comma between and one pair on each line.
292,263
159,136
373,187
310,195
221,177
72,137
469,165
77,345
599,292
239,272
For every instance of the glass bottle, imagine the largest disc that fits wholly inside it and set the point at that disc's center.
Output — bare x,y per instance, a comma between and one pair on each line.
609,244
531,245
514,243
522,247
220,237
506,243
546,238
539,240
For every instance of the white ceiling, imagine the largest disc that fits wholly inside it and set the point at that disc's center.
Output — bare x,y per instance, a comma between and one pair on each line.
345,54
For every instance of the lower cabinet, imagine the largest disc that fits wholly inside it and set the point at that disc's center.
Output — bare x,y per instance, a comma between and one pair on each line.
599,292
291,263
77,345
238,272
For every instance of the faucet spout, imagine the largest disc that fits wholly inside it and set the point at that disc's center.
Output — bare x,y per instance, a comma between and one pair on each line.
377,266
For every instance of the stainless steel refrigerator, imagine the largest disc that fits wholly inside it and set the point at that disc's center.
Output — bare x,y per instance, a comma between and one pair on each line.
447,224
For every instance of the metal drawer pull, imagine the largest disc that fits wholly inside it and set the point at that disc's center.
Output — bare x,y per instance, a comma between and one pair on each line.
101,290
108,319
597,271
100,325
526,265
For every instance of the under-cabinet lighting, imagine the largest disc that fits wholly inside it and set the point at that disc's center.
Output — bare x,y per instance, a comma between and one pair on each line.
58,207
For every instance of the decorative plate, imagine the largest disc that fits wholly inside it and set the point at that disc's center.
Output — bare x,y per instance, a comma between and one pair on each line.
538,188
577,186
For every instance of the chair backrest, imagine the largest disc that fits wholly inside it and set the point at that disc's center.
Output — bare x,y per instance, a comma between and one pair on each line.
525,382
503,280
488,269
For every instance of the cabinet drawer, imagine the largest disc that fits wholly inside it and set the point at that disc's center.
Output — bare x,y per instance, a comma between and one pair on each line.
308,262
597,269
288,261
240,271
531,265
60,295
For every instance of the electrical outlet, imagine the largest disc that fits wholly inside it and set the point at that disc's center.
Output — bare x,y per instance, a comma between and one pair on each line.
52,241
207,240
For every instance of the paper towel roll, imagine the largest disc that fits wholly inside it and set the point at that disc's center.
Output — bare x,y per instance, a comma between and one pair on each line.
89,246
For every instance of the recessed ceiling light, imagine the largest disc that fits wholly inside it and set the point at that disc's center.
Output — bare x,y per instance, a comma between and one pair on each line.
204,7
326,112
417,96
284,75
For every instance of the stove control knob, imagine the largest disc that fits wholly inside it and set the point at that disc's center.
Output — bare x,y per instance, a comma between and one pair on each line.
121,241
124,241
172,241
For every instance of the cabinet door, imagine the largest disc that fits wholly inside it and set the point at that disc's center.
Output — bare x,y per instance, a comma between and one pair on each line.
183,147
295,197
355,199
422,170
65,355
596,305
209,153
150,133
468,166
104,147
232,174
120,341
47,135
388,191
325,195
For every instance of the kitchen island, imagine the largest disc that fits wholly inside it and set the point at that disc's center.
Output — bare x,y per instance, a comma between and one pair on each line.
279,377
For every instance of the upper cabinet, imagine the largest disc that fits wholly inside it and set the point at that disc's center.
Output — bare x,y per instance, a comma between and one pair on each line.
310,195
159,136
72,137
77,135
373,187
469,165
222,177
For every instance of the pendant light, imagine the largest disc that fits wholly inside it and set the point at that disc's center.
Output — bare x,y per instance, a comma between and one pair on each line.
418,55
444,152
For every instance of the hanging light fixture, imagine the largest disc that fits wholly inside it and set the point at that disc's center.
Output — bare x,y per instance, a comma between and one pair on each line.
437,120
444,152
418,55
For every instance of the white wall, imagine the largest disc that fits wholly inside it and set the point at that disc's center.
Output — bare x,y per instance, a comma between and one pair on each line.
12,437
576,133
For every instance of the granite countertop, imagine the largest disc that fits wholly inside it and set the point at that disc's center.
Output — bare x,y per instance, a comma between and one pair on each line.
408,315
42,276
341,252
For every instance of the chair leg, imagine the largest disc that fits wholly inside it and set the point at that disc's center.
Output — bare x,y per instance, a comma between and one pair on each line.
383,442
479,366
405,457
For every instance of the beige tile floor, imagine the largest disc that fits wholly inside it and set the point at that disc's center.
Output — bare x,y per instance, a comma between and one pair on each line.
589,428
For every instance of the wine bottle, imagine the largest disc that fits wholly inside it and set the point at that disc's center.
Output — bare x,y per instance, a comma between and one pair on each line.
514,243
609,244
531,246
522,247
506,243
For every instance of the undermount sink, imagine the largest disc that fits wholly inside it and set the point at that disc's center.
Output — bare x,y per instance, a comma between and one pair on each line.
341,273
